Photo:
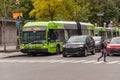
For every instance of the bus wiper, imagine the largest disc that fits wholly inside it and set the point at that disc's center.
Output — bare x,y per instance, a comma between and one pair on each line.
25,42
36,42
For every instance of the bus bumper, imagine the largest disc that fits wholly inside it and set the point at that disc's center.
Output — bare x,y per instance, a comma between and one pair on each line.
34,50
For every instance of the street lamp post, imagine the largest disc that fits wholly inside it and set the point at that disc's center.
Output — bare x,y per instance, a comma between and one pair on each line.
18,25
100,15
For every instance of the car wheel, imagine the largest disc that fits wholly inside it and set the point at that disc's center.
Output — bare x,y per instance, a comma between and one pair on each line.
93,52
99,50
108,54
64,55
85,53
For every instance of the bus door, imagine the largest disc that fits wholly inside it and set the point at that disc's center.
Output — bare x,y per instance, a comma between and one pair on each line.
51,41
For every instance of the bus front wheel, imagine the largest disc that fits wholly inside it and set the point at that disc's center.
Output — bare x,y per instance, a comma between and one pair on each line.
57,50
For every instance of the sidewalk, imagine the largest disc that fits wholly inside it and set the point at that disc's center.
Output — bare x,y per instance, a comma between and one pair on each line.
12,54
9,49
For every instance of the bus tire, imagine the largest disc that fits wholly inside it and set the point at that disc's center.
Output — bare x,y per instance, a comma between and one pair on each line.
57,50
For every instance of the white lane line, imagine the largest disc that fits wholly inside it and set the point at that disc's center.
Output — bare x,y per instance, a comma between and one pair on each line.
55,61
66,61
89,61
99,62
113,62
78,61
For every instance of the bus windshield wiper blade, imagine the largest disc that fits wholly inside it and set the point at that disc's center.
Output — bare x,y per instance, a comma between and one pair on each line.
36,42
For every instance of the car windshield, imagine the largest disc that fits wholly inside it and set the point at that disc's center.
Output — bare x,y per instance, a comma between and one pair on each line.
76,39
115,41
97,38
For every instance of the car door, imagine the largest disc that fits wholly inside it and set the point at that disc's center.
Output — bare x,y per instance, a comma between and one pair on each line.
90,43
87,43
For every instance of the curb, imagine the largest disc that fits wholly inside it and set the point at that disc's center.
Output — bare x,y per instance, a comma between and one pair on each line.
9,51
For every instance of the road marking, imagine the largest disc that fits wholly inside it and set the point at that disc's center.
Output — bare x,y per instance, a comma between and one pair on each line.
78,61
89,61
67,61
99,62
113,62
59,61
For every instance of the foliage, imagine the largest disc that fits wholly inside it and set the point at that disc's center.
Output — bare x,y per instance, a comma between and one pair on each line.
26,6
70,10
53,9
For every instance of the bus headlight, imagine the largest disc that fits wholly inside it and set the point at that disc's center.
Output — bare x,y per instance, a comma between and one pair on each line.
44,46
22,47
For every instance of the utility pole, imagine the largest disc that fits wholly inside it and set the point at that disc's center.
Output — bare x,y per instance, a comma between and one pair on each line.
4,25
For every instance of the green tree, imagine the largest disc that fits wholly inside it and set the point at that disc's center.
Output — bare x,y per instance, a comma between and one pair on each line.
82,12
7,8
53,9
95,8
111,12
25,7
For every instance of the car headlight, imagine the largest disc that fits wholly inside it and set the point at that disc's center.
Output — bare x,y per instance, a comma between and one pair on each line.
108,46
80,46
63,45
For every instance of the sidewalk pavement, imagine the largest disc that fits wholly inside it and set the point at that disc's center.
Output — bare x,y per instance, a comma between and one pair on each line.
12,54
9,49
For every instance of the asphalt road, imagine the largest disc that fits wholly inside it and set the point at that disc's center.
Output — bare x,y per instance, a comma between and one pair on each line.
17,66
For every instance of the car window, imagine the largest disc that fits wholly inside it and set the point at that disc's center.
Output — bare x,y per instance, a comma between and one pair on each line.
115,41
76,39
87,40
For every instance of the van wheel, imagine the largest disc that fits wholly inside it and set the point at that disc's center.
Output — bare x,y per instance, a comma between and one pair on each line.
57,50
85,53
93,52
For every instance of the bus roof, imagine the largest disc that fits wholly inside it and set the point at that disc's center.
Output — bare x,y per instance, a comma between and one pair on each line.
100,28
31,24
74,25
50,24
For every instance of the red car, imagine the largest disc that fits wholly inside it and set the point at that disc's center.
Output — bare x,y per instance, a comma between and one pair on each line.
114,46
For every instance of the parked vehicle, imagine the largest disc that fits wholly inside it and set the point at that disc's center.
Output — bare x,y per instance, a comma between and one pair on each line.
114,46
40,37
98,40
79,45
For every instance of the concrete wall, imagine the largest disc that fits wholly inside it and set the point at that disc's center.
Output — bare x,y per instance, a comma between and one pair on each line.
0,35
10,33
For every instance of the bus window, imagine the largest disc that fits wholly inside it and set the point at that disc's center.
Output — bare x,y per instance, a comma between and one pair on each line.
84,31
52,35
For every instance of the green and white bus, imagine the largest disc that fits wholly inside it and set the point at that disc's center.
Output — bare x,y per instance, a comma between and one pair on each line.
39,37
78,28
115,31
99,31
49,36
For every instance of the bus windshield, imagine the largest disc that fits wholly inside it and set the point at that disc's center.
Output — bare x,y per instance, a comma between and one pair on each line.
34,37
